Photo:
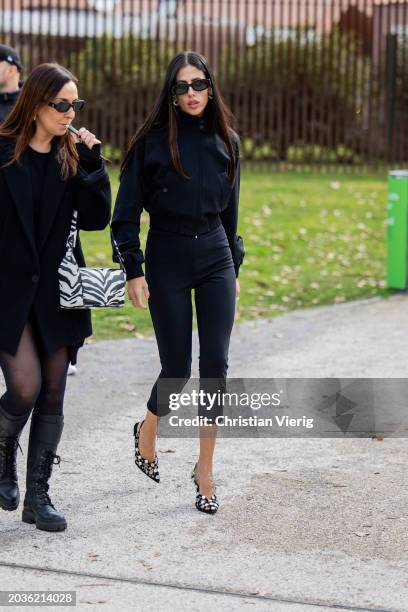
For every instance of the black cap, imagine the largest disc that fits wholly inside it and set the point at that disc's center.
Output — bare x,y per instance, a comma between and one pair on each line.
10,55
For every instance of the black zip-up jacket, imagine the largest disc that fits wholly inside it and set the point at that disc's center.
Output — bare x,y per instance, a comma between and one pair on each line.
7,101
150,181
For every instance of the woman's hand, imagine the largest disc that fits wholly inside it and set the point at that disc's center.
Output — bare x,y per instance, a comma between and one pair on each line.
87,138
237,289
136,287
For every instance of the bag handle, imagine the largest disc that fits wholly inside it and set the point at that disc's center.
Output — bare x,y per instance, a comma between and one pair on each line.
115,246
72,238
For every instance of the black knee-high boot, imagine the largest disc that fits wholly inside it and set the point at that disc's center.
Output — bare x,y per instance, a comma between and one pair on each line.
45,434
11,427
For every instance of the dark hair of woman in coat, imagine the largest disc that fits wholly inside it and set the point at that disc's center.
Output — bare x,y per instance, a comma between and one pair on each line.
46,173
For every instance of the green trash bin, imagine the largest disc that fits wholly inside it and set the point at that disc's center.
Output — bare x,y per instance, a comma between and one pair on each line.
397,230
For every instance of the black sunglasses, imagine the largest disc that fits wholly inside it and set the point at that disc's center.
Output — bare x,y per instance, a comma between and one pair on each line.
64,105
182,87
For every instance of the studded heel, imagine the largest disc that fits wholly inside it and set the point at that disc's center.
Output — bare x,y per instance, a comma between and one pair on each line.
210,504
150,468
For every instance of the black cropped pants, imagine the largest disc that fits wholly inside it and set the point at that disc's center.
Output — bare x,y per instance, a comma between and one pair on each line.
176,264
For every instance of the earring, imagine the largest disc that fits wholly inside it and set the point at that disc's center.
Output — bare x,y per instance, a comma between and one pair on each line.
35,117
175,102
210,96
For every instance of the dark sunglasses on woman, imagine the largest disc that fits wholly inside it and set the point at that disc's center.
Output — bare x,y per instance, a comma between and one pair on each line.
181,87
64,105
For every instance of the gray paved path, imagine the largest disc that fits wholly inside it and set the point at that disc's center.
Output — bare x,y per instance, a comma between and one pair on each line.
318,524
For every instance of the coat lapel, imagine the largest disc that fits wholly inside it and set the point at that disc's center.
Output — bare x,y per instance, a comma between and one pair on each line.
19,183
54,188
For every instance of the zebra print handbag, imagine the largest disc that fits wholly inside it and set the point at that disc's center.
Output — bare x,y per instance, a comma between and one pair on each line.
89,287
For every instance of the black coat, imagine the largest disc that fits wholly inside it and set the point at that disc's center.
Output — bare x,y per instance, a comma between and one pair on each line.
7,101
151,181
31,256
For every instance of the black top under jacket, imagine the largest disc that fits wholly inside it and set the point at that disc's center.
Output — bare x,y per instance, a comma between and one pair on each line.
31,255
37,166
150,181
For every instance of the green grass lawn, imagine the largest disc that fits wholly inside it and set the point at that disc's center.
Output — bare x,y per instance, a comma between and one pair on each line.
309,239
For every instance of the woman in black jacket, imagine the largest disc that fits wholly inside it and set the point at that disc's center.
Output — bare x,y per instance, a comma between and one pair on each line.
45,174
182,166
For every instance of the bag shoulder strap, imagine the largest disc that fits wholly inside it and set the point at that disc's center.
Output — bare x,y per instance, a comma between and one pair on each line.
73,234
115,246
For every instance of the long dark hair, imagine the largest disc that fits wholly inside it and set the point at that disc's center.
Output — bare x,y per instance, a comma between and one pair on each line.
42,85
164,113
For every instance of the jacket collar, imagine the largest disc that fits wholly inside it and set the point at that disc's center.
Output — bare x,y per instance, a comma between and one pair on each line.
18,180
192,122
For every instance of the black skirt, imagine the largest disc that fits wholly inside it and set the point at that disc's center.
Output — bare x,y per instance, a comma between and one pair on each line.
72,349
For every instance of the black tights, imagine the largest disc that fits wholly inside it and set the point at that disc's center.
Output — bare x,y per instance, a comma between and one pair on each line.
34,379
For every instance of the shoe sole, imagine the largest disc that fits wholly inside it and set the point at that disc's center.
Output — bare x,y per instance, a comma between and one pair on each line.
28,517
8,508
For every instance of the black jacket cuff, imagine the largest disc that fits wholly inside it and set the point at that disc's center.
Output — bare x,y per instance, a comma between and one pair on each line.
89,159
132,263
134,271
238,253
